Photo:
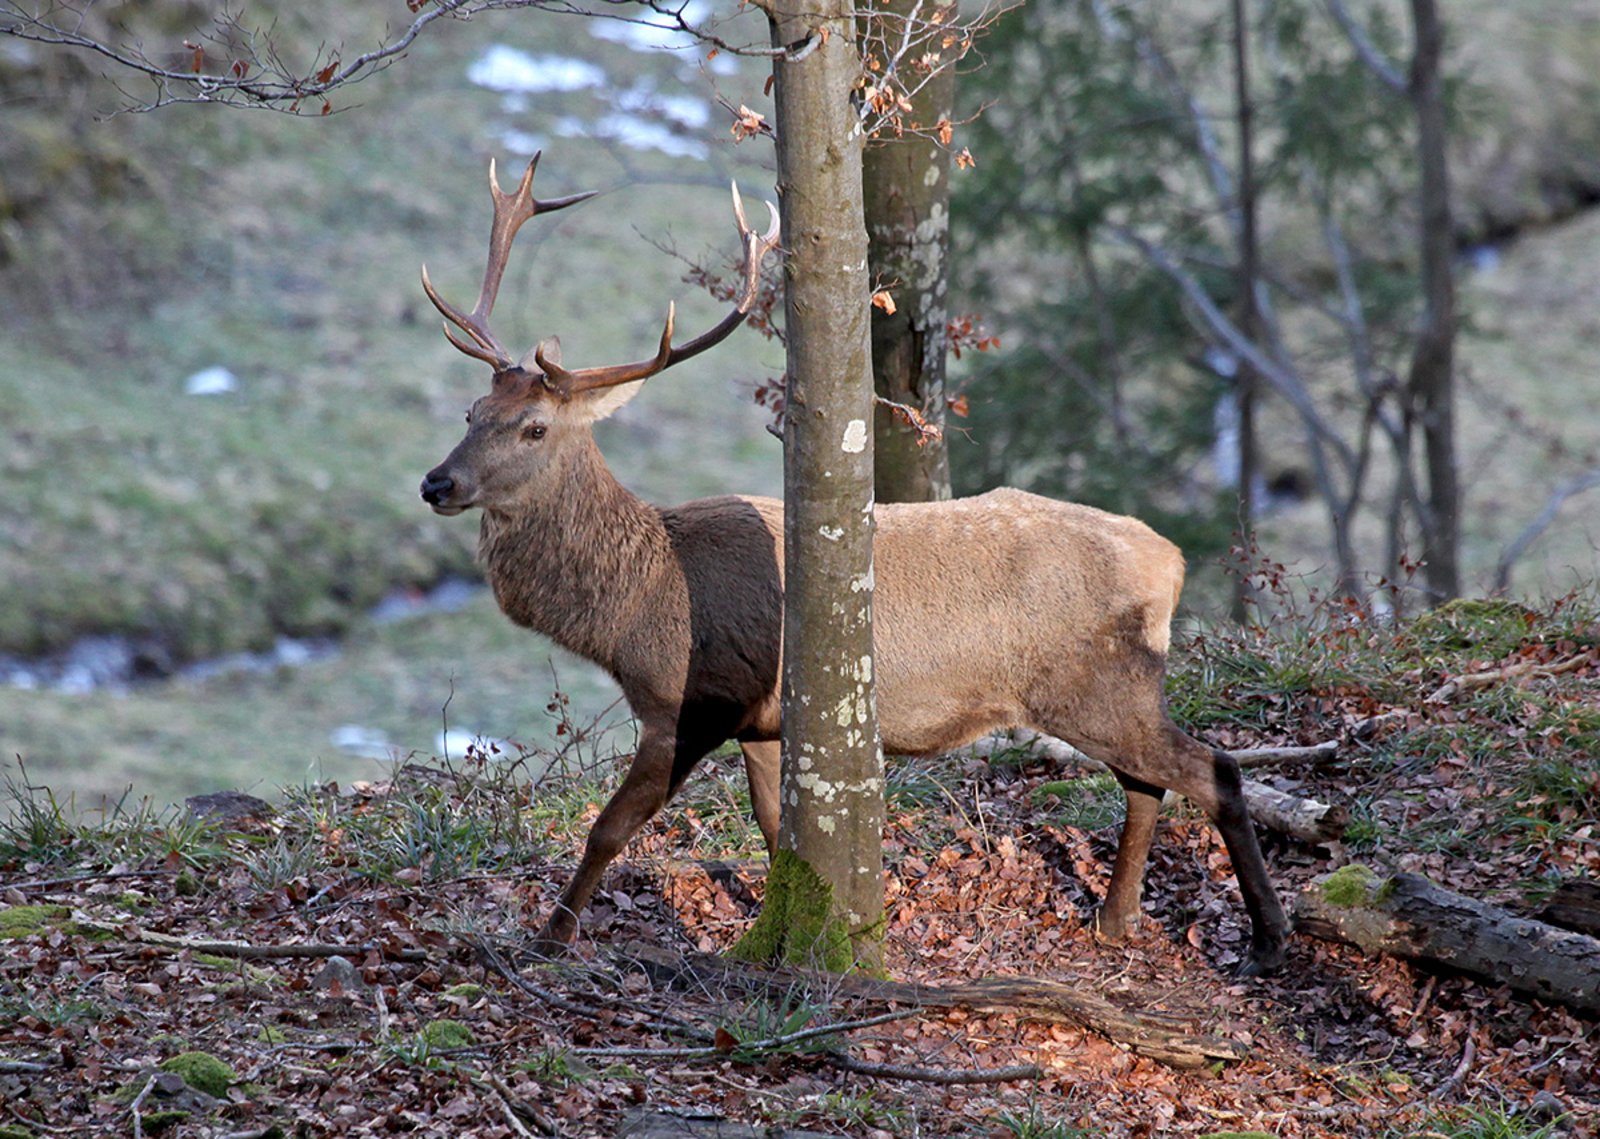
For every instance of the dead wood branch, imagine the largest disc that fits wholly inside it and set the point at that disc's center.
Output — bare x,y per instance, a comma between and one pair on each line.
1306,820
1161,1039
1408,916
1575,905
768,1044
244,950
1263,756
24,1066
939,1075
1473,681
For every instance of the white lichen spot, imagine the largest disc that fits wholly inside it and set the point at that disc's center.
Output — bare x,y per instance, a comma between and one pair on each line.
825,824
855,437
832,533
864,583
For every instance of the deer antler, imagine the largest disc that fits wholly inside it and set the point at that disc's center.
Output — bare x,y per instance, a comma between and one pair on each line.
510,211
756,247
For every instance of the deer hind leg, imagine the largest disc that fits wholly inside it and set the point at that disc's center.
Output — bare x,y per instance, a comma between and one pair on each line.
1125,726
659,768
763,760
1210,779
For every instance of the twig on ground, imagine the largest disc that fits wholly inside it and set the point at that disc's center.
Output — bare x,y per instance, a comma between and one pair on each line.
138,1104
74,879
768,1044
24,1066
246,950
938,1075
1261,756
1469,1051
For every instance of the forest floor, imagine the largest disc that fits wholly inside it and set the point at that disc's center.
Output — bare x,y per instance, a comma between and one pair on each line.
120,1015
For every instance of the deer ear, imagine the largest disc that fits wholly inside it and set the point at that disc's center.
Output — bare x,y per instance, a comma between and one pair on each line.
592,406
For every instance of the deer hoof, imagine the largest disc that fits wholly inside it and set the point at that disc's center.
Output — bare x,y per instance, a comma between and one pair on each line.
1111,930
1264,960
555,939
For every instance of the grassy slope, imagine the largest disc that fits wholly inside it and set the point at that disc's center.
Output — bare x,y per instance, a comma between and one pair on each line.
214,523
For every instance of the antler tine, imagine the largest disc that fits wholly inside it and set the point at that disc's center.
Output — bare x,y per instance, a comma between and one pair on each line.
510,211
756,248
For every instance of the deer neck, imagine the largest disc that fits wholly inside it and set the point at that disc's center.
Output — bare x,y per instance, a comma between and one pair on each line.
576,564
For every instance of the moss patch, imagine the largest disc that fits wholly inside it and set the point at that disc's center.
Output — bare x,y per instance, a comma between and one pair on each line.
797,925
26,921
1349,886
442,1034
201,1071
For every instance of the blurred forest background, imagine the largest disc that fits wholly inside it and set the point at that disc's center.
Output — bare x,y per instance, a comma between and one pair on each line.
220,381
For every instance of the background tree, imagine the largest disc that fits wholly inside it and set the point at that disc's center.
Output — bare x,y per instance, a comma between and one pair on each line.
907,195
1133,197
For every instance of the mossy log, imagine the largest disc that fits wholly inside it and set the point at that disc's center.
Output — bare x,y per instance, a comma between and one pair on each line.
1160,1037
1408,916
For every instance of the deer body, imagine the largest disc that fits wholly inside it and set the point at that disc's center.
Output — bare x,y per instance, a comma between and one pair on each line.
1001,610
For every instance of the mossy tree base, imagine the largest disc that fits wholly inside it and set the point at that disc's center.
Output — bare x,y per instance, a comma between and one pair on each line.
798,925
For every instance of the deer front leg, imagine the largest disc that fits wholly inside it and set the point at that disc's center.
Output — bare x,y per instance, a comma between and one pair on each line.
1119,914
642,794
763,764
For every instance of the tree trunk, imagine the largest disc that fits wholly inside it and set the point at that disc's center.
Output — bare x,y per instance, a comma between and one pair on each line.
1249,315
1408,916
824,901
907,189
1432,382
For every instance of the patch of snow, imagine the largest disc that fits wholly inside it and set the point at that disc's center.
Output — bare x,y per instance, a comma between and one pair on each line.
512,71
632,131
367,743
215,380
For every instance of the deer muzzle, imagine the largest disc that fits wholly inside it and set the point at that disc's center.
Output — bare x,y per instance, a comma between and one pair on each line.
437,489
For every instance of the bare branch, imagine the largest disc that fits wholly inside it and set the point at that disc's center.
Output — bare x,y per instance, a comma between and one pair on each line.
1379,64
1588,480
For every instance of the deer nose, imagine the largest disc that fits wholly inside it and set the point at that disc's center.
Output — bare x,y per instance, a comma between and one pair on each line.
436,487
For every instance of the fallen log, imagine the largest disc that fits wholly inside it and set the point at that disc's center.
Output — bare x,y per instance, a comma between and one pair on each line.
1575,905
1307,820
1162,1038
1408,916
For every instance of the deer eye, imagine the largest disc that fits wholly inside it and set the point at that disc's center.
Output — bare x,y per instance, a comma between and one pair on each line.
469,417
534,431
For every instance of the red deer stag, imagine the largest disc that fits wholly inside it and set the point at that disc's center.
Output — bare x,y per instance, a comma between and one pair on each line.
1005,609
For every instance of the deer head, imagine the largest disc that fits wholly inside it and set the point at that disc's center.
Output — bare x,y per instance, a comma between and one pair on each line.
538,413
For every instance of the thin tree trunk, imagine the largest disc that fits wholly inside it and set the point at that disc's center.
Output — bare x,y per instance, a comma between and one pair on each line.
1249,312
824,901
907,190
1432,381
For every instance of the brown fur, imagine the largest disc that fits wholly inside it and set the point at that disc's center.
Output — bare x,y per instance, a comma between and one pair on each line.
1000,610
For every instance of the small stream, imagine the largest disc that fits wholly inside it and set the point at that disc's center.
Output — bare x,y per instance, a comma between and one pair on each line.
117,663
